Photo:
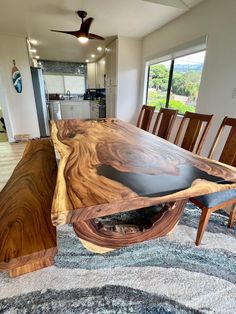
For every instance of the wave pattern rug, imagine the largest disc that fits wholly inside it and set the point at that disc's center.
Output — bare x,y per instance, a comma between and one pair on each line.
166,275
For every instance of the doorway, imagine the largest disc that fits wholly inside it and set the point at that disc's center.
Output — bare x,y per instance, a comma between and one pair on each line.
3,130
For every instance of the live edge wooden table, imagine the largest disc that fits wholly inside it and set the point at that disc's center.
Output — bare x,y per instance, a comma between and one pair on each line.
107,168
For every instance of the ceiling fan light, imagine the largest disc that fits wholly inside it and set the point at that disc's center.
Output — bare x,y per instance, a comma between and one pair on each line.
83,39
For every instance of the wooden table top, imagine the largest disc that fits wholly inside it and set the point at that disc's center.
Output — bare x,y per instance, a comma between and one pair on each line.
109,166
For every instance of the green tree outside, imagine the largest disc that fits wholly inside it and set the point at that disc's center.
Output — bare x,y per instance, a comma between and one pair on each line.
183,84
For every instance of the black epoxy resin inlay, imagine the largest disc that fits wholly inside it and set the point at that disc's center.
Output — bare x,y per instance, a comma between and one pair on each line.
156,185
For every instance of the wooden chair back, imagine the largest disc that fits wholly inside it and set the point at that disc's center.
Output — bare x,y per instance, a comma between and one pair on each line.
164,122
145,117
195,133
228,153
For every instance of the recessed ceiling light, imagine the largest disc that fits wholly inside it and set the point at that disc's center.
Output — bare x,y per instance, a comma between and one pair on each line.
33,50
33,41
87,60
99,48
37,57
92,55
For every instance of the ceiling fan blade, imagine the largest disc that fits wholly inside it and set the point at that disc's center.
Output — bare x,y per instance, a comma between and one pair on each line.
73,33
93,36
85,26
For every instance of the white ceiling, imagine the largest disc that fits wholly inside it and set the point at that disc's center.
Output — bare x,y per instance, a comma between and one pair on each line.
130,18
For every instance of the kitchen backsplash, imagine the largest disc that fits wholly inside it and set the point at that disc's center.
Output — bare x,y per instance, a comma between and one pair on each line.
63,67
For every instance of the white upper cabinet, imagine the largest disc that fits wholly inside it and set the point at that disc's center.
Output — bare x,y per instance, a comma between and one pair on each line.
111,64
111,79
100,72
91,73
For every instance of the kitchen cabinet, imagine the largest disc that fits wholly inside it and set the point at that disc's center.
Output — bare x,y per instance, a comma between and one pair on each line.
91,75
111,96
96,72
111,63
100,73
94,109
111,79
75,109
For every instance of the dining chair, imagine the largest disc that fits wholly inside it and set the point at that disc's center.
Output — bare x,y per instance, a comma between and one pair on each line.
164,122
212,202
145,117
195,133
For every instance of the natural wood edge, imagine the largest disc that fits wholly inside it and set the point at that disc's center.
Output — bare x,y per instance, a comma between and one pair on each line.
19,262
60,188
164,223
32,266
95,248
26,233
198,187
173,230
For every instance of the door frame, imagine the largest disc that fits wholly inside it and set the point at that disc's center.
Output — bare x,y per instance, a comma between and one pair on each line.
5,111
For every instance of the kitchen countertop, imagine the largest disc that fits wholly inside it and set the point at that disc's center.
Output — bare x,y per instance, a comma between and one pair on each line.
73,99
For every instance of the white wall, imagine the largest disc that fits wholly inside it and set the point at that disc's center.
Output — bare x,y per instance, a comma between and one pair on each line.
217,20
19,109
128,90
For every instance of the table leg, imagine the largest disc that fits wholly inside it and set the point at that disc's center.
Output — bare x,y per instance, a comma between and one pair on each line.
98,240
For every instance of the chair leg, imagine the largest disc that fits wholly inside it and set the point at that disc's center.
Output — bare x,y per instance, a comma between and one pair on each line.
232,217
206,213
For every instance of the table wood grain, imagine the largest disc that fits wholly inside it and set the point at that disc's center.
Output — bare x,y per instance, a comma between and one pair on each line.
109,166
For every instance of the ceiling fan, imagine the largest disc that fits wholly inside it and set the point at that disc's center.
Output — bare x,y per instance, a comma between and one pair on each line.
82,34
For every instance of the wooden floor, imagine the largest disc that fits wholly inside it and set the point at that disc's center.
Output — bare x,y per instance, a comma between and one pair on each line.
3,137
10,154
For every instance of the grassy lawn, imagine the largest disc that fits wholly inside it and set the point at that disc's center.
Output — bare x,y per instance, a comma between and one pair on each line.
158,100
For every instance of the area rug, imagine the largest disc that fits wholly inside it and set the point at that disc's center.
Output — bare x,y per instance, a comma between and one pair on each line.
165,275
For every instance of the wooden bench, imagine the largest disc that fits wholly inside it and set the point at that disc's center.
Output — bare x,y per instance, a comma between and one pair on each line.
27,237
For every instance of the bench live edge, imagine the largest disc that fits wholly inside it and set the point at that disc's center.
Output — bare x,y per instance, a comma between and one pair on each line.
28,239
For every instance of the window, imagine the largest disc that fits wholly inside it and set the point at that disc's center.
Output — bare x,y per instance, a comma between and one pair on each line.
175,83
60,84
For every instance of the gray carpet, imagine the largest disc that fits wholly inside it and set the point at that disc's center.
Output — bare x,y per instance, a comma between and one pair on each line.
166,275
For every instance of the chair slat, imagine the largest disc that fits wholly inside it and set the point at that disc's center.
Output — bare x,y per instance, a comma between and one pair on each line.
164,122
145,117
195,123
228,155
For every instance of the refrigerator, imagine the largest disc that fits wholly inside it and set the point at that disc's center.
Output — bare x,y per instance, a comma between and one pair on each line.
41,102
